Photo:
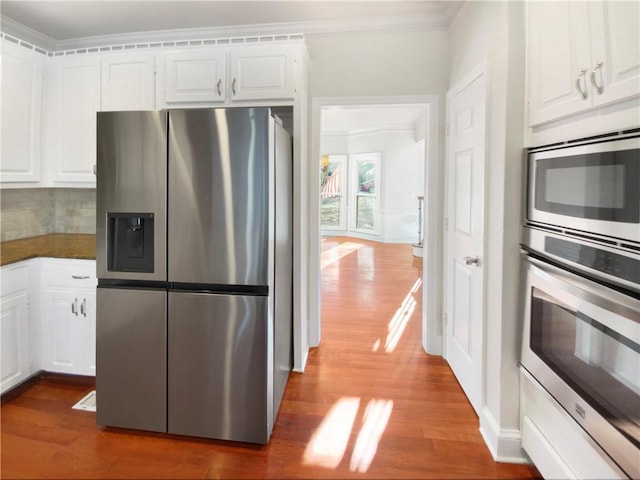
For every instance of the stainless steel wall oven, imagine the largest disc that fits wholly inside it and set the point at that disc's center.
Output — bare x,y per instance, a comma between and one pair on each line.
581,241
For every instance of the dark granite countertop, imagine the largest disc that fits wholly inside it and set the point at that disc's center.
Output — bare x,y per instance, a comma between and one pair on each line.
55,245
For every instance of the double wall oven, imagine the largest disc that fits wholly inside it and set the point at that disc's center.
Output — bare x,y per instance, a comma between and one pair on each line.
581,242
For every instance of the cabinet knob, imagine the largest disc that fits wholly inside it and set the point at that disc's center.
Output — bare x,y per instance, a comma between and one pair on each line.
579,81
597,69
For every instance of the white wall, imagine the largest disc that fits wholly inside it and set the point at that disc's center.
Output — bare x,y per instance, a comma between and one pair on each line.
494,31
378,63
402,179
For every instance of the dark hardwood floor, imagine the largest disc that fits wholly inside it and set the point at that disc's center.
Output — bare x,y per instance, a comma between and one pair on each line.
371,403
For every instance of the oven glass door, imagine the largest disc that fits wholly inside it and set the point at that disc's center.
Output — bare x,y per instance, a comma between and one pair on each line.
600,364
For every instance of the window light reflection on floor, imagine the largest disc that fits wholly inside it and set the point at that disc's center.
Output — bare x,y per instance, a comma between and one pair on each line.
376,417
400,319
332,255
329,442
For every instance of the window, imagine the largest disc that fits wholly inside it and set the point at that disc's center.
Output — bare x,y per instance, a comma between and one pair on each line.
366,192
333,173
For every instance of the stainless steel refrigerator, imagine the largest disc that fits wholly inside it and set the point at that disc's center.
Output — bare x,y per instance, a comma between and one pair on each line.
194,263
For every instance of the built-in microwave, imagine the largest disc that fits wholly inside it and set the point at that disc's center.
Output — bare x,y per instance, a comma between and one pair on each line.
588,186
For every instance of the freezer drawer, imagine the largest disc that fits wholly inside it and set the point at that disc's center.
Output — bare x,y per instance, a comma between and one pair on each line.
131,358
218,367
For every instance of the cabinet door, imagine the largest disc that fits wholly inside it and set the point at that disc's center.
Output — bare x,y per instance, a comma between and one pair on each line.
615,67
128,82
14,318
69,329
88,345
195,77
74,89
15,328
262,73
559,59
22,73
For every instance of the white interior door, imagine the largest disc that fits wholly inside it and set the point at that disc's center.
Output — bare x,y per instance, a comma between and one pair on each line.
465,235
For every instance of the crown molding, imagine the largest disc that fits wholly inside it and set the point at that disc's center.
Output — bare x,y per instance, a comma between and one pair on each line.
389,23
18,30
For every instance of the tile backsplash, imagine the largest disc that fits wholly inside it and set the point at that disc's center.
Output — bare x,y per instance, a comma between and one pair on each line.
37,211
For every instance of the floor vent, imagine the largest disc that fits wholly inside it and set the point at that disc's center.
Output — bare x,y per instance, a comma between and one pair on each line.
88,403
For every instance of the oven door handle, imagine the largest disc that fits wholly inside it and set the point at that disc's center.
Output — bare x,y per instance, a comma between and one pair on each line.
589,291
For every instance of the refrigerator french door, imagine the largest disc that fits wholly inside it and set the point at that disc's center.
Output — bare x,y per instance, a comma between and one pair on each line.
228,276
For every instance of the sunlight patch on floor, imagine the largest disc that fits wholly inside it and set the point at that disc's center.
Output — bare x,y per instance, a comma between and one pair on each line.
400,319
329,442
332,255
376,417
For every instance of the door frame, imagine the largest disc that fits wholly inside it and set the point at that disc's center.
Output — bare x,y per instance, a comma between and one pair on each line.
432,335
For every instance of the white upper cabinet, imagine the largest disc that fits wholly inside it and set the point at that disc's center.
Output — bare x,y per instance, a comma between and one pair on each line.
262,73
198,76
225,75
21,104
73,99
615,61
128,82
581,55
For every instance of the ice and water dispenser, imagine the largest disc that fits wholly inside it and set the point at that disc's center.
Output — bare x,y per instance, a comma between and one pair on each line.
130,242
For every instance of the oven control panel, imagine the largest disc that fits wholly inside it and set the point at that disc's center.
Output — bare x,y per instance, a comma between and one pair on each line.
595,258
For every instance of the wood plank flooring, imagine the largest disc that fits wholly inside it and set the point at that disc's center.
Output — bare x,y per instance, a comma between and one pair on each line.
371,403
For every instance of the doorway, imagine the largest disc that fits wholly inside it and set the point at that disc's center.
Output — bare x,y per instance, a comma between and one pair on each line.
427,129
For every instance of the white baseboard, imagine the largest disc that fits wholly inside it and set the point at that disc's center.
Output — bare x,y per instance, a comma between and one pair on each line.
299,366
505,444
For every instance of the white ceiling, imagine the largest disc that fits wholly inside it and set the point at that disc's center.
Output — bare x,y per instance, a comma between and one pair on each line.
62,21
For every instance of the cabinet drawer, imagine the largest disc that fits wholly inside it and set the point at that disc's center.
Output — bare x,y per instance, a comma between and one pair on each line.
69,273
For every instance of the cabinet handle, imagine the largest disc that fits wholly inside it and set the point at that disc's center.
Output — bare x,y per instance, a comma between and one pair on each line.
95,169
583,74
234,84
74,307
597,68
219,87
83,307
80,277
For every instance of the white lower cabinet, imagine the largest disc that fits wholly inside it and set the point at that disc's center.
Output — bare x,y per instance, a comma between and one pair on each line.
15,332
69,316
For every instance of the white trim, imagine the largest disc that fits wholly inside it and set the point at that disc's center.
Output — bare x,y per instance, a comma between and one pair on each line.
119,43
432,287
433,20
505,444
